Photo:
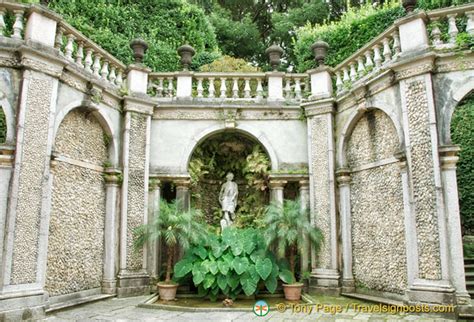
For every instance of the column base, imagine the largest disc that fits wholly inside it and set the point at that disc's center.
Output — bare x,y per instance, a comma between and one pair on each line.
463,298
348,286
432,292
325,281
132,284
109,286
30,305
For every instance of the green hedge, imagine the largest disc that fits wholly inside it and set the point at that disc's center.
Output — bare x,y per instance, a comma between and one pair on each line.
462,133
164,24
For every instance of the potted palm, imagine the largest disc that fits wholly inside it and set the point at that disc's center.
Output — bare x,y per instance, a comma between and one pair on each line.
176,227
287,227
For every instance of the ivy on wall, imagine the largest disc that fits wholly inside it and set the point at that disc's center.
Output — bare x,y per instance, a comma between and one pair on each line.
3,126
462,133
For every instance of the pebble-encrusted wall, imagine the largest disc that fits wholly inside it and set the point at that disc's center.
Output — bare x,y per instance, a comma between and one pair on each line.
136,186
422,174
76,229
377,218
319,167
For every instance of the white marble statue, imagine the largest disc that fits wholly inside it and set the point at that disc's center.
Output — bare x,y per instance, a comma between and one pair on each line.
228,200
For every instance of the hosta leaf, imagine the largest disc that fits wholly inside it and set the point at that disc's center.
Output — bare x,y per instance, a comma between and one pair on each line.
253,273
233,281
256,255
248,284
213,267
287,276
222,282
182,268
205,266
264,267
228,258
271,283
237,248
223,267
240,264
217,250
198,277
209,279
200,251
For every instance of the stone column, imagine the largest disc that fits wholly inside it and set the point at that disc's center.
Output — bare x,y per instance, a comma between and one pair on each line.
154,196
112,187
432,277
449,159
182,193
276,190
6,169
304,199
344,180
325,275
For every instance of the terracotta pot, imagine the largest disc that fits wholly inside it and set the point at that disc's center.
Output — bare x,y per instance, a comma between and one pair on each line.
293,291
167,291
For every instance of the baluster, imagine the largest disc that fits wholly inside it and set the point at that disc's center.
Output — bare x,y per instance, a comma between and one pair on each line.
346,74
338,81
96,66
353,72
297,88
235,88
223,88
396,43
2,22
369,64
80,53
104,72
18,25
69,46
436,33
247,88
88,60
259,89
470,23
200,89
287,88
452,29
377,57
212,90
58,41
159,89
119,79
387,52
170,86
360,66
112,75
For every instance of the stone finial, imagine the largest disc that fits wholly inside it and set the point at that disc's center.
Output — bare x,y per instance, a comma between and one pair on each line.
186,52
139,47
409,5
274,53
320,49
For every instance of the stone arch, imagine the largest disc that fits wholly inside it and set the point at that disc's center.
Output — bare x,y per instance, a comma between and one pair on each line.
464,91
348,127
76,241
9,114
104,120
247,130
376,202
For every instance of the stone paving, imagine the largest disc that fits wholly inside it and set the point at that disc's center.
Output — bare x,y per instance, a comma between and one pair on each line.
125,309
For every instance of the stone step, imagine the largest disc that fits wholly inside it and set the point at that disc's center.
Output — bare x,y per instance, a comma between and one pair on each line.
77,301
373,299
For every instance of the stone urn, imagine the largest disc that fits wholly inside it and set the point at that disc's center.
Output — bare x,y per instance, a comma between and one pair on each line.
320,49
409,5
186,53
167,291
139,47
274,53
293,291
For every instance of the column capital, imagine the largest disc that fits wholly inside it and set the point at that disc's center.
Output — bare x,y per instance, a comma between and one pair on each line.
138,105
343,176
182,183
154,184
448,156
277,184
402,159
324,106
112,176
304,184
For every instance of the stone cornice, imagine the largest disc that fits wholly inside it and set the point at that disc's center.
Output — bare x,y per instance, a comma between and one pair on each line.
323,106
41,59
138,104
289,177
414,65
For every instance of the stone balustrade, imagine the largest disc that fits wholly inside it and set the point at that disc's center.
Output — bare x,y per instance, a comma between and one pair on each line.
17,11
458,19
226,86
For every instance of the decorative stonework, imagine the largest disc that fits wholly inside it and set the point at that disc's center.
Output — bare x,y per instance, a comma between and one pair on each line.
422,174
136,186
76,229
29,194
377,217
218,114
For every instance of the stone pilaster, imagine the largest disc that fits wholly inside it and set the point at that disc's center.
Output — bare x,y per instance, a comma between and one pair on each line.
449,159
344,180
304,200
112,187
276,190
6,169
325,275
153,260
133,277
182,193
431,279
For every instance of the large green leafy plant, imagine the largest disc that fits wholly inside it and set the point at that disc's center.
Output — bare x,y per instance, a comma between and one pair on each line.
235,262
176,227
288,229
